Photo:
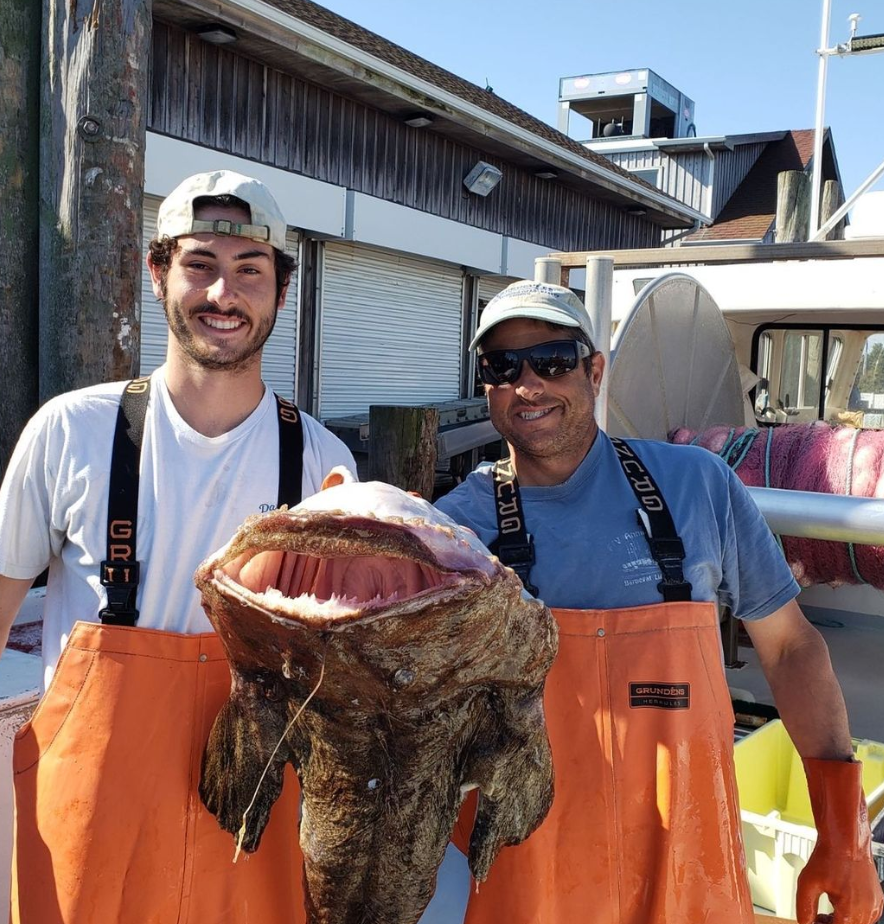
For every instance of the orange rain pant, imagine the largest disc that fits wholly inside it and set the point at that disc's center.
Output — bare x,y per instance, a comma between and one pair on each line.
644,827
110,828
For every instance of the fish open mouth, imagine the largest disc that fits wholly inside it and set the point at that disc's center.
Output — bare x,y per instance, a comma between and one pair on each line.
353,571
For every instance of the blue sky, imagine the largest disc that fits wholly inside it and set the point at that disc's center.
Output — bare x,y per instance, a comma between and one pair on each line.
749,66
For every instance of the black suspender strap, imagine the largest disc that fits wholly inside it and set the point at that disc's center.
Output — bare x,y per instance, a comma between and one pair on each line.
514,546
120,568
120,571
291,453
655,519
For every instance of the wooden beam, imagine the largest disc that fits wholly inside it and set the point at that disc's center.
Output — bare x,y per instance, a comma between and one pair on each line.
19,167
728,253
92,139
402,447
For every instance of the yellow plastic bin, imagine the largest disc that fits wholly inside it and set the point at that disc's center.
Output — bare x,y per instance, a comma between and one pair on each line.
778,829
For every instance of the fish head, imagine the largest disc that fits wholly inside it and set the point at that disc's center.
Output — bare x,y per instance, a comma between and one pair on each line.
353,552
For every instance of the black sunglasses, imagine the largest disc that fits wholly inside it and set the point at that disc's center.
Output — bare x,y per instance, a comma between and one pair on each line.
503,367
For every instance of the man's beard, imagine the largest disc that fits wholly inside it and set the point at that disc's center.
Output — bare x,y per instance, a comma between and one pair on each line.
233,359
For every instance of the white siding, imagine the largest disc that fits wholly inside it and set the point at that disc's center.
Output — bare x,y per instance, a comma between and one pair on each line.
278,360
390,330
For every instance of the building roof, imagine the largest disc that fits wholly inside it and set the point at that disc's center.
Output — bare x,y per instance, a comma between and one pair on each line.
751,211
359,37
341,55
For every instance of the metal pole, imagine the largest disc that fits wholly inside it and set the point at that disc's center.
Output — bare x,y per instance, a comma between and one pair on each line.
599,292
835,517
546,269
817,174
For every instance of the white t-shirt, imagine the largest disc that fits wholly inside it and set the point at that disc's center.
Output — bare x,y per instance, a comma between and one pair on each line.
194,492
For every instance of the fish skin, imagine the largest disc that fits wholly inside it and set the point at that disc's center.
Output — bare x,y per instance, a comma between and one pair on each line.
418,699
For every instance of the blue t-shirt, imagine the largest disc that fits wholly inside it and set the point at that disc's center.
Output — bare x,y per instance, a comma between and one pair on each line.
592,553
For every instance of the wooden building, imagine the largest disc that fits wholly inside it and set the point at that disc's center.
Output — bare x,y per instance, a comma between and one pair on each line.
366,146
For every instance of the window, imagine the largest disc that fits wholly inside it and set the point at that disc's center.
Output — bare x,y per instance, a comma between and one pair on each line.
789,361
649,175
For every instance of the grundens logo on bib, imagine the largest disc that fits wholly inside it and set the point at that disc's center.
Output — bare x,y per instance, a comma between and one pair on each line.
655,695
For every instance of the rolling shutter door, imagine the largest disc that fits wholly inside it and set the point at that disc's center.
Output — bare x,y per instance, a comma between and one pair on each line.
391,330
278,359
489,286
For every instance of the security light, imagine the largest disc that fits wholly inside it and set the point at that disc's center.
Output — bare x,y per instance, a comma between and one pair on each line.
419,120
216,34
482,178
545,173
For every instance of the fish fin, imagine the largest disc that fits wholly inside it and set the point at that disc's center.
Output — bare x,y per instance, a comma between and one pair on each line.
515,780
234,786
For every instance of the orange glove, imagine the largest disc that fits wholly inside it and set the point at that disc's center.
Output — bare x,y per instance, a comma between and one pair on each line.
841,864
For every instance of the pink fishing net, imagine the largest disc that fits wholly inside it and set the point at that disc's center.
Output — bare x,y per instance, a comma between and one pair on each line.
808,457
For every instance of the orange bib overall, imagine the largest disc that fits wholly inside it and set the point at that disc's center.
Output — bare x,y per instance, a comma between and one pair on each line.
110,828
645,826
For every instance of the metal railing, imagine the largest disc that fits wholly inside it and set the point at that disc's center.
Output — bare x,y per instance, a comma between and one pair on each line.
808,515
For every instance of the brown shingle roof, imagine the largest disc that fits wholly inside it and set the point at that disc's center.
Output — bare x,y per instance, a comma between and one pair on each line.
373,44
751,210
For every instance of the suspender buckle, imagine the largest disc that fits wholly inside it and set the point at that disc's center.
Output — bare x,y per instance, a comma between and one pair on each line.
669,555
120,579
518,555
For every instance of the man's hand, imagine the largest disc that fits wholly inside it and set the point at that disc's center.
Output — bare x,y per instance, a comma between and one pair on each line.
841,864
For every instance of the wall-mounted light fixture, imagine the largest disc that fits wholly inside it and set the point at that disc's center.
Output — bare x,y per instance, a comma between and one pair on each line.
217,34
419,120
482,178
636,210
546,173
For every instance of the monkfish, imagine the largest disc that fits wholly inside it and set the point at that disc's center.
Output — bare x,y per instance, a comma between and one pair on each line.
421,661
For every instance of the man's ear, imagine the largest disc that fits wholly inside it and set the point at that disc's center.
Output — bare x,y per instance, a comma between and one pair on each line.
598,371
155,277
280,303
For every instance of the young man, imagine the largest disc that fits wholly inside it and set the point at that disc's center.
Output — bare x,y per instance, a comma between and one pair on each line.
633,545
109,825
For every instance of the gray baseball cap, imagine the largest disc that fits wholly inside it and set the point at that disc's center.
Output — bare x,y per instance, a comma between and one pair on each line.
542,301
267,225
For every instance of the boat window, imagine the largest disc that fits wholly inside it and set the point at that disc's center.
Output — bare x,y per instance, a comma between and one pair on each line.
866,398
799,393
789,360
764,411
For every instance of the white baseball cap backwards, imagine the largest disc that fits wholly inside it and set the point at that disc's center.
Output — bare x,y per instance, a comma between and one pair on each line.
542,301
267,224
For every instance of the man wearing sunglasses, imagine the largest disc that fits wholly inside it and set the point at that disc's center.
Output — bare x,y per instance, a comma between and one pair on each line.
634,545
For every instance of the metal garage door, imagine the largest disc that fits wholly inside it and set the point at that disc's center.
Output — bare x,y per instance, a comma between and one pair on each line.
278,360
489,286
390,330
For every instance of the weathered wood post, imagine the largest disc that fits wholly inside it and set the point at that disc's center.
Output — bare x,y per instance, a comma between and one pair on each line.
95,84
19,225
402,447
833,199
793,206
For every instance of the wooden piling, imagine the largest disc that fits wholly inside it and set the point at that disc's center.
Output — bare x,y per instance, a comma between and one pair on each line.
92,137
833,199
402,447
19,224
793,206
